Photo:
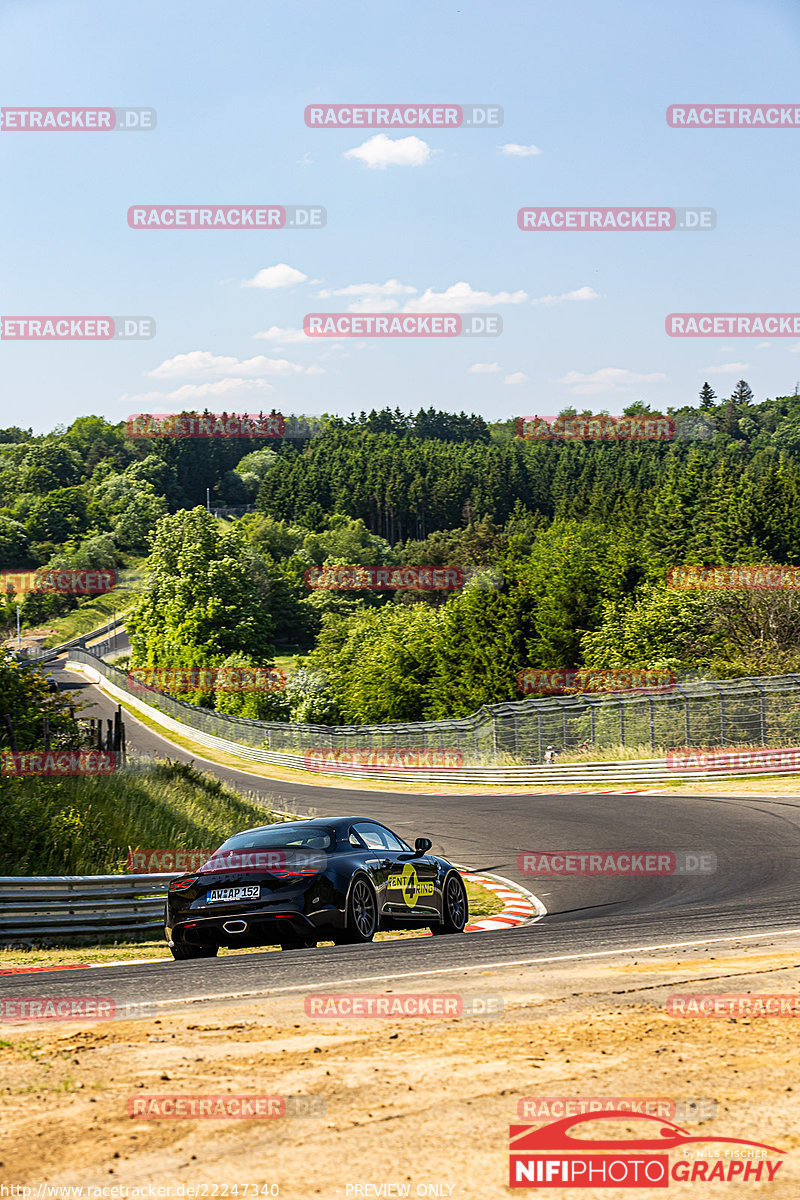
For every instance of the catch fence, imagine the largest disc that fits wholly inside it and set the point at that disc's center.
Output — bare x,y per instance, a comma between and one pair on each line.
761,711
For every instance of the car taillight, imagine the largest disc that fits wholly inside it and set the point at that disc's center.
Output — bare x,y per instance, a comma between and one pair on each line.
180,885
297,873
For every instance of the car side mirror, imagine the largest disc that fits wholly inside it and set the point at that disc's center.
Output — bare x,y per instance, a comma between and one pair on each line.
422,845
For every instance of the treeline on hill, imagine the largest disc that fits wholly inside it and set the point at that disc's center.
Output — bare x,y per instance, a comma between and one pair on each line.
571,543
90,496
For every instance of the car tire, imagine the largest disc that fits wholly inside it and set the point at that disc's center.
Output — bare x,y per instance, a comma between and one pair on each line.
455,906
362,914
182,950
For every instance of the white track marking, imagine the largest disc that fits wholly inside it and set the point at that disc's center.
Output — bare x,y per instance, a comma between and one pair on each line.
455,970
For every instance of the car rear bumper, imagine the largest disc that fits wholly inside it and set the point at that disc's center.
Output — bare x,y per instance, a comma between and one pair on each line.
260,927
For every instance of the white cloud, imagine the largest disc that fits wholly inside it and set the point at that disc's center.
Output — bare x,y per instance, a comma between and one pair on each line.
730,368
607,379
763,345
371,295
279,276
518,151
484,368
795,349
461,298
583,293
381,151
191,394
516,377
201,363
376,291
282,336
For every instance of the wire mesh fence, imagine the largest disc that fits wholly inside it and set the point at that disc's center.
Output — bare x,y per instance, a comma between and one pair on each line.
761,711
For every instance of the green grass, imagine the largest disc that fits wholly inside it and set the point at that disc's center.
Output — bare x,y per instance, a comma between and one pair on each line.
286,662
611,754
83,825
645,751
481,902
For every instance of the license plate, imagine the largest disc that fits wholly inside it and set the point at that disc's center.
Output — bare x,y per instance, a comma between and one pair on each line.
217,895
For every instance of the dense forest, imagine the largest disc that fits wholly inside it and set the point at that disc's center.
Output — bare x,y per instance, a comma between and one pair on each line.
565,546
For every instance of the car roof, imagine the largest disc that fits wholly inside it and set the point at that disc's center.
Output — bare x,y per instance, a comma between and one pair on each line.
337,823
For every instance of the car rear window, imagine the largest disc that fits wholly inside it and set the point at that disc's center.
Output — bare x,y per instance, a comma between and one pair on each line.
315,837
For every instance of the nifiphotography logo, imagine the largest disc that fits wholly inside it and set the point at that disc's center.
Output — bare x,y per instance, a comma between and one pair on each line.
550,1157
409,885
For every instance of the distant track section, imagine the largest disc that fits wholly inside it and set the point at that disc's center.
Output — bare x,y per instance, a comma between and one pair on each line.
566,776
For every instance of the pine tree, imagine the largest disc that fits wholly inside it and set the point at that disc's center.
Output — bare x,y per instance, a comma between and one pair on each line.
707,396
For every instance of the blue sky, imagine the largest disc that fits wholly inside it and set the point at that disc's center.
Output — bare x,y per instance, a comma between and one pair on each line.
587,85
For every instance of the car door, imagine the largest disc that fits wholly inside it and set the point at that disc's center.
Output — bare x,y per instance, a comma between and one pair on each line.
376,854
411,882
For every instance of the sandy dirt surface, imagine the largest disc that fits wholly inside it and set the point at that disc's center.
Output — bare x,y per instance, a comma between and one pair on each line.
408,1102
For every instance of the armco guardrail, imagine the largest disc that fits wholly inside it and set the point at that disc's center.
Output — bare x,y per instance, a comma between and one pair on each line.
45,655
46,906
723,712
629,771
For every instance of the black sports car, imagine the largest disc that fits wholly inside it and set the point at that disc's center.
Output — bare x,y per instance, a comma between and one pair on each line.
300,882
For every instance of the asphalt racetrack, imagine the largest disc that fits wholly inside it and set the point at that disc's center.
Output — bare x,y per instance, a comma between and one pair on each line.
752,892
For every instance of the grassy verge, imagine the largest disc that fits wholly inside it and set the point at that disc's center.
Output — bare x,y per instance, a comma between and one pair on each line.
645,751
81,825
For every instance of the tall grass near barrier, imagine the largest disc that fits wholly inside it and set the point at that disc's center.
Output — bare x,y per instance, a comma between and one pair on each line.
85,825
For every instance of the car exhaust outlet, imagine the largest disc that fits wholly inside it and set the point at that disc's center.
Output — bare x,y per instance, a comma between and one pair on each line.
235,926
